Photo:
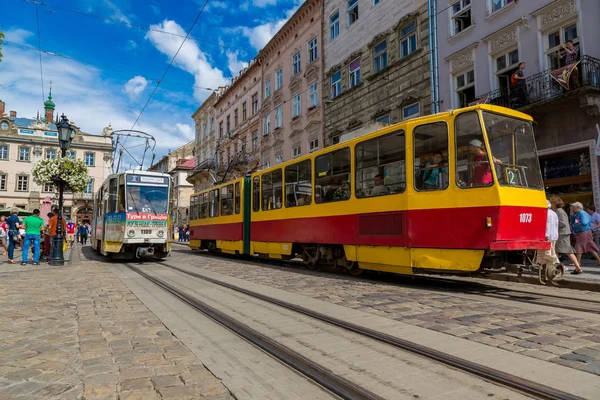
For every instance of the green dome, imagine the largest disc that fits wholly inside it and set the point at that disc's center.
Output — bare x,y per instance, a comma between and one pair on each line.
49,104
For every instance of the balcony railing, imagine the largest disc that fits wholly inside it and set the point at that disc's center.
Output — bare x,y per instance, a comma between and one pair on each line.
543,86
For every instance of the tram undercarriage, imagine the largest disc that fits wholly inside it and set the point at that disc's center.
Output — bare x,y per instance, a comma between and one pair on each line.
518,262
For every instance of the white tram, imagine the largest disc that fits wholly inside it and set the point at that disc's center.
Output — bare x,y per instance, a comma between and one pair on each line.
132,215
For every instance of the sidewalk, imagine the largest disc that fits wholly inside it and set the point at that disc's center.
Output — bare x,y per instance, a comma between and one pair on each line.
77,331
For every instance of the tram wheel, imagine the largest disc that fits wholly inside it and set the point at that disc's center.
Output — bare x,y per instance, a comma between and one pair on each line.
355,270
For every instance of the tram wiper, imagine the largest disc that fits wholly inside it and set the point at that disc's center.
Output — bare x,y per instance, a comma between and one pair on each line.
151,203
135,205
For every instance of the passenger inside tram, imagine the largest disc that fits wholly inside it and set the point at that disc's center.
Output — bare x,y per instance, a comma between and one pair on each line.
379,188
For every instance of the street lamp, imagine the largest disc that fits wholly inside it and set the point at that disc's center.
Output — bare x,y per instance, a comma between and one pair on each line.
65,135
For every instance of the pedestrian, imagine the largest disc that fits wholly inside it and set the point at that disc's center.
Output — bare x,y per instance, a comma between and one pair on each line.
21,236
594,223
176,233
563,244
34,226
53,225
70,233
14,223
3,235
77,238
47,240
549,256
181,233
580,221
519,84
82,233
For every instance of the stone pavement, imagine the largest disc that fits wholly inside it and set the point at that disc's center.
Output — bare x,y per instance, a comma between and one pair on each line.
562,337
77,332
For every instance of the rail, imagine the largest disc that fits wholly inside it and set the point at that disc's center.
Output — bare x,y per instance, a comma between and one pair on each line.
543,87
508,380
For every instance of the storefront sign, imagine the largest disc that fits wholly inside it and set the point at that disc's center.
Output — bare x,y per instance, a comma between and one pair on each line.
25,131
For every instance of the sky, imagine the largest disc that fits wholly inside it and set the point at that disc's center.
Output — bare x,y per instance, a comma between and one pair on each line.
104,58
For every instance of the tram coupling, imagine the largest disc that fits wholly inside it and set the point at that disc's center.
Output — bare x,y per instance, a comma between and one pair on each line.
144,252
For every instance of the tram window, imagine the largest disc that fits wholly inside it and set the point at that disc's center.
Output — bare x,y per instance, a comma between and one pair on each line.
237,198
271,190
121,198
256,194
430,143
332,176
227,200
213,202
512,145
381,165
193,207
112,192
298,184
203,207
472,159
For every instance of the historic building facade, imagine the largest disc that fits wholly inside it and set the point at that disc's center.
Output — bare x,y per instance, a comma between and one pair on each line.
376,63
25,141
292,75
205,144
178,163
481,46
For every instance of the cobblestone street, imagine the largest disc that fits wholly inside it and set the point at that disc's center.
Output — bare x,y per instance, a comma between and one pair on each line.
77,332
552,336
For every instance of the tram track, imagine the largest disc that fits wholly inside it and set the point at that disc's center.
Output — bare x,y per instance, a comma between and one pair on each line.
338,385
442,284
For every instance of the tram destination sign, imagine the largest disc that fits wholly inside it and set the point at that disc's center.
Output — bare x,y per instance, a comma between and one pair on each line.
145,179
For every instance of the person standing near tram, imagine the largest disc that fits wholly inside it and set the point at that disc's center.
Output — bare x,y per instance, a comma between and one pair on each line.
580,221
563,244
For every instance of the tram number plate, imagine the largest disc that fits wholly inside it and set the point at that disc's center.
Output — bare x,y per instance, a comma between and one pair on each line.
146,231
525,218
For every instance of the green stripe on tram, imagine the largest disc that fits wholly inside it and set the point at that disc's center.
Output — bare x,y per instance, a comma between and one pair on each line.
247,213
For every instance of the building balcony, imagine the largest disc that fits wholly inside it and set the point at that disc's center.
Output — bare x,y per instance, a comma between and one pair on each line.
547,86
83,196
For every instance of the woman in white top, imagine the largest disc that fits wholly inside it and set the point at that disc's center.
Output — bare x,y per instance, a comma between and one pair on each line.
549,256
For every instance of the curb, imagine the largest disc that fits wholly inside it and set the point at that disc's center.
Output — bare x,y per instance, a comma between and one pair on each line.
588,285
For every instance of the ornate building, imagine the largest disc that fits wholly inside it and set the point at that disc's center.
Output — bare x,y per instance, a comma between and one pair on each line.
24,141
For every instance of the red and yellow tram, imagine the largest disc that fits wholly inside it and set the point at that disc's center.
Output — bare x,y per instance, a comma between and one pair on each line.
454,192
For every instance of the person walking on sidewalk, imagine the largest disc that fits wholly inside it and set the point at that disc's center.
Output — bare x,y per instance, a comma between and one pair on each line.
3,234
34,226
563,244
580,220
14,223
70,233
594,223
53,224
549,256
83,232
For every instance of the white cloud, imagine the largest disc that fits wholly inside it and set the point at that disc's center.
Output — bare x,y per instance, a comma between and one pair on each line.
155,9
89,99
218,4
264,3
191,58
260,35
131,45
17,35
135,86
116,12
234,64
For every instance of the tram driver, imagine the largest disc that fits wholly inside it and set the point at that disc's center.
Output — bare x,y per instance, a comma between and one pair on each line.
482,173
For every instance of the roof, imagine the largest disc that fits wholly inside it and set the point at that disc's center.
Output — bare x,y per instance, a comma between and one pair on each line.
188,164
26,122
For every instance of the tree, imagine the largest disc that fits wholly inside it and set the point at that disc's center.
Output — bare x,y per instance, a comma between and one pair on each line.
1,40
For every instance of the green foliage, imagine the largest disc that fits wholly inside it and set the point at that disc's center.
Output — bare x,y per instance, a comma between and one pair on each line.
1,40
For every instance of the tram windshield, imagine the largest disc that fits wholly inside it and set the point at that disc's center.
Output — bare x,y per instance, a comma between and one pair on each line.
512,145
147,199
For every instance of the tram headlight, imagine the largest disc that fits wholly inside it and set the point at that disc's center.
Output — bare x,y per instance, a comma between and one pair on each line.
160,233
488,222
131,233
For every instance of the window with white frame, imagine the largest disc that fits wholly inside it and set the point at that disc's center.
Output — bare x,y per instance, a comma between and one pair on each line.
411,111
297,151
506,65
334,25
461,16
352,11
408,40
297,105
267,126
279,117
312,50
22,183
4,152
313,145
267,88
313,94
24,153
278,79
384,119
255,140
380,56
495,5
50,154
296,64
278,159
465,88
90,159
556,38
354,73
71,154
336,84
90,187
48,187
3,181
